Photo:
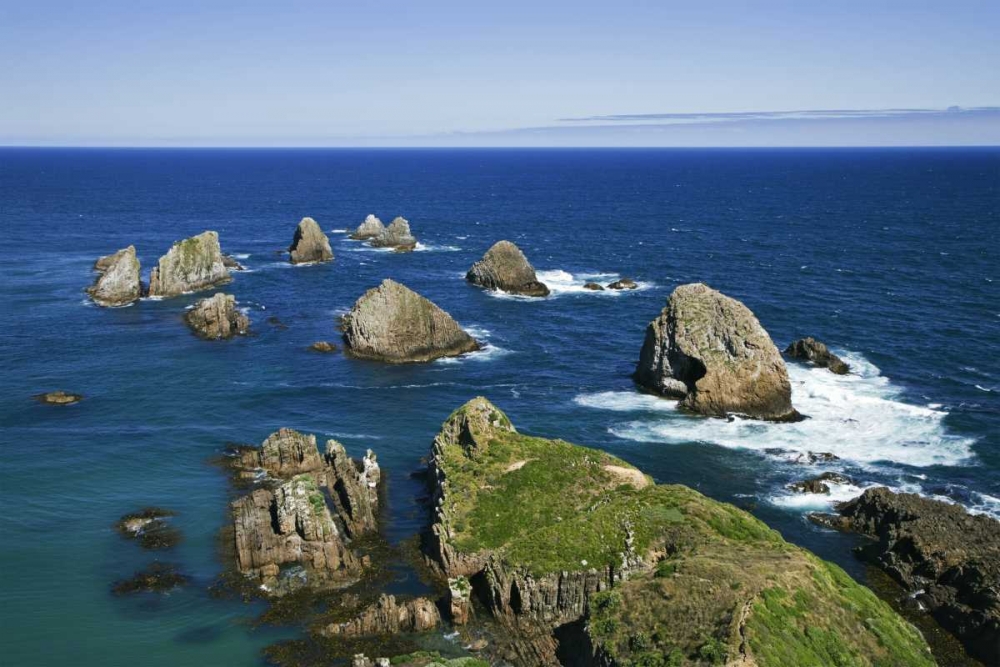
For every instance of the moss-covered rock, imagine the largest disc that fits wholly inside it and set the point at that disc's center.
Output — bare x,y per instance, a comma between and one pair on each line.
565,541
189,266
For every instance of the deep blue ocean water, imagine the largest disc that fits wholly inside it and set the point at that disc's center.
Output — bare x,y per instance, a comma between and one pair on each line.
890,256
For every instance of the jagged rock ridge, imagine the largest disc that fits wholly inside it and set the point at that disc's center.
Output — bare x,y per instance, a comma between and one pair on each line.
217,317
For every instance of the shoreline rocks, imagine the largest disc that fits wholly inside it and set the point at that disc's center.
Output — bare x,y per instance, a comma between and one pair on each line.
190,265
309,245
369,229
396,236
58,397
392,323
217,318
945,557
505,268
710,351
810,349
119,282
389,617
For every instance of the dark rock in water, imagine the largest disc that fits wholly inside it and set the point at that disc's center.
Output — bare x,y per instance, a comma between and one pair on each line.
593,287
323,346
397,235
189,266
949,559
394,324
505,268
709,350
119,282
298,531
149,528
819,484
276,322
812,350
805,458
157,578
624,283
368,229
217,317
232,263
58,398
389,617
310,244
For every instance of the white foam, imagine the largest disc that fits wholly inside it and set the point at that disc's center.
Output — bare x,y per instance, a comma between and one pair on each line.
858,417
812,502
420,247
562,282
242,255
339,231
487,351
625,401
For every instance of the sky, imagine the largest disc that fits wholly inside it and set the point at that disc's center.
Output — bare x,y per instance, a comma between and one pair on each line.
512,73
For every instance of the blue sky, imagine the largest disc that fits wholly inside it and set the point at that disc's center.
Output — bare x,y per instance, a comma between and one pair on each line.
511,73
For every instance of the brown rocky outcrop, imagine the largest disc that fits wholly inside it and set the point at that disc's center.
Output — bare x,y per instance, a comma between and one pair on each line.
217,317
810,349
594,287
119,281
944,556
58,397
394,324
819,484
505,268
309,245
397,236
368,229
624,283
710,351
232,263
189,266
323,346
389,617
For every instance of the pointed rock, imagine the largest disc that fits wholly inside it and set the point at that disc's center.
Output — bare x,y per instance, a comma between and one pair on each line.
394,324
710,350
217,317
310,244
119,283
189,266
397,235
504,267
368,229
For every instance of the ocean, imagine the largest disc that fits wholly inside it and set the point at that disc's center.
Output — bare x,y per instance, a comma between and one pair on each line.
890,256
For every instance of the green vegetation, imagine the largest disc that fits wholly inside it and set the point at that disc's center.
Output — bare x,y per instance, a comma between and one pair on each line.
434,659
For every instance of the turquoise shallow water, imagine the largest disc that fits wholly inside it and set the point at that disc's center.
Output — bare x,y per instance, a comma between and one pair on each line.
890,256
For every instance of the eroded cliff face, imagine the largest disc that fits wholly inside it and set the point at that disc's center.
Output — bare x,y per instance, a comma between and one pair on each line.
297,529
584,561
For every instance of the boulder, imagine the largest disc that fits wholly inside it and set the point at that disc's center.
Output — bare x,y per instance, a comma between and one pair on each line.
368,229
189,266
595,287
119,281
323,346
710,351
397,235
389,617
394,324
624,283
217,317
819,484
310,244
810,349
58,397
505,268
945,557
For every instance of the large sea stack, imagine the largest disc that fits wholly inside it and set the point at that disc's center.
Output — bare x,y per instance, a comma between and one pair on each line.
397,236
583,560
393,323
368,229
504,267
119,283
710,351
946,558
190,265
310,244
217,317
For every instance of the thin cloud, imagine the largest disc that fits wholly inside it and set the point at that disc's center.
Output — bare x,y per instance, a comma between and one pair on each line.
805,114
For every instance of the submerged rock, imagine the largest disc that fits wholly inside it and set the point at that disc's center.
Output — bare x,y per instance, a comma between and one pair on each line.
323,346
157,578
709,350
505,268
310,244
812,350
624,283
189,266
149,528
276,322
580,569
394,324
217,317
58,397
397,235
368,229
944,556
389,617
119,282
